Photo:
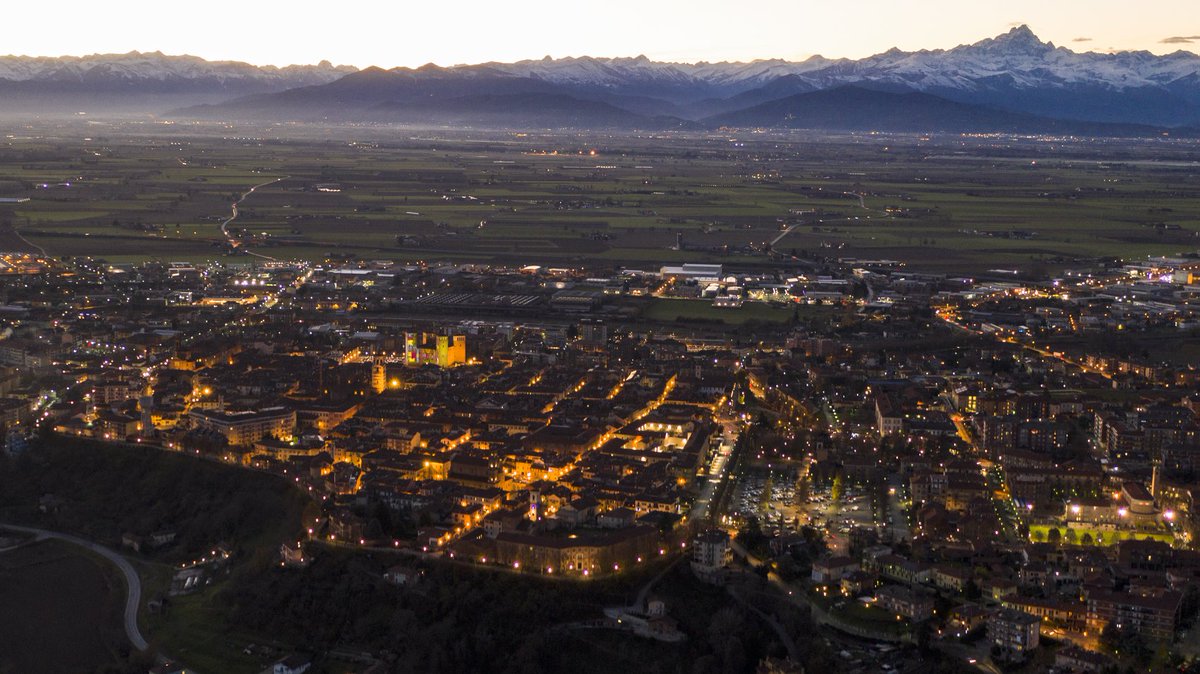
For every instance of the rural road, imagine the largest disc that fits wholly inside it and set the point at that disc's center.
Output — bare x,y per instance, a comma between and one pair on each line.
234,208
234,214
41,251
861,204
133,598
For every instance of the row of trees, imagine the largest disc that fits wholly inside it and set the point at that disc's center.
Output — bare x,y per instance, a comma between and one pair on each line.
461,619
103,491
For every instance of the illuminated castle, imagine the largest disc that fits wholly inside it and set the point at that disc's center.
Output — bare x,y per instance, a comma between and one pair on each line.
443,350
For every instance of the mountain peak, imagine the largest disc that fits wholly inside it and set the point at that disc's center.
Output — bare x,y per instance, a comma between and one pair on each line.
1023,32
1020,38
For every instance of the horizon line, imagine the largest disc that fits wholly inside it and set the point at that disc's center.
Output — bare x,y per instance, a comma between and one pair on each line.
641,56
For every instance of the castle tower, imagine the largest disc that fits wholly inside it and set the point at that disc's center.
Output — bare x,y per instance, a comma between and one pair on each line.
378,375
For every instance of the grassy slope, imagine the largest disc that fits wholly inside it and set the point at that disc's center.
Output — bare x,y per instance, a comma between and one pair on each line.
109,490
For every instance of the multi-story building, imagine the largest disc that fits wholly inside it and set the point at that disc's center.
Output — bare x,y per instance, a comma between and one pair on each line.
246,427
1013,631
833,569
888,419
580,555
712,548
1153,615
907,602
711,553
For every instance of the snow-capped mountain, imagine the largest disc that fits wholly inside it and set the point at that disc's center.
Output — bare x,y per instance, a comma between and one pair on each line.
156,66
140,83
1016,71
1018,55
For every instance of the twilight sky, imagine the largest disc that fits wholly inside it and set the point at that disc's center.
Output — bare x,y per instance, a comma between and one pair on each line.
413,32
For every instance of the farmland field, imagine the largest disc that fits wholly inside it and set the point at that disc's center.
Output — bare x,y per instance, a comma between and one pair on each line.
952,203
55,594
68,597
673,310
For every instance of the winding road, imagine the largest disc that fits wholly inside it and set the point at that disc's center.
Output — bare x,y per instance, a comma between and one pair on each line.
224,225
41,251
234,214
643,594
133,583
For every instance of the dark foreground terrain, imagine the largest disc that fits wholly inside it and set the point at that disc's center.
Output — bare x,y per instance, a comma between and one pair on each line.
62,610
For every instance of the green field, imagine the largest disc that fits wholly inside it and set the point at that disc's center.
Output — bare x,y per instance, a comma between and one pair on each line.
668,310
1041,532
951,203
871,618
116,489
196,631
62,606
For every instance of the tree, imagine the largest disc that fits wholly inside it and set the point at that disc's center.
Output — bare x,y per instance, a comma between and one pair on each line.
1189,605
705,664
374,529
1124,641
923,636
733,656
751,536
725,622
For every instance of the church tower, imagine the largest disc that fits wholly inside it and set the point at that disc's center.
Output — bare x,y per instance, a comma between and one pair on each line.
378,375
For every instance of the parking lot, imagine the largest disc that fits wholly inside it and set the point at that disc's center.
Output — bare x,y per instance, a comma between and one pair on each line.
771,496
836,518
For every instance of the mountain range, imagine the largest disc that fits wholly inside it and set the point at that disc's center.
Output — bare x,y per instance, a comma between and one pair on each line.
140,83
1012,82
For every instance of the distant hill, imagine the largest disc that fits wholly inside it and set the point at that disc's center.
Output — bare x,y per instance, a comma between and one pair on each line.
852,108
522,110
435,96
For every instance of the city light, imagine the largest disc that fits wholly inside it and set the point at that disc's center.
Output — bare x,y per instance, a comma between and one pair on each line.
796,367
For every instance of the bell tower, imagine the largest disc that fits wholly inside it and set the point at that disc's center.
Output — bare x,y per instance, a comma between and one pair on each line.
378,375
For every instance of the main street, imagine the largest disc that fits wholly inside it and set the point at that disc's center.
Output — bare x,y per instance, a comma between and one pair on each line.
1028,346
897,522
715,475
1006,512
